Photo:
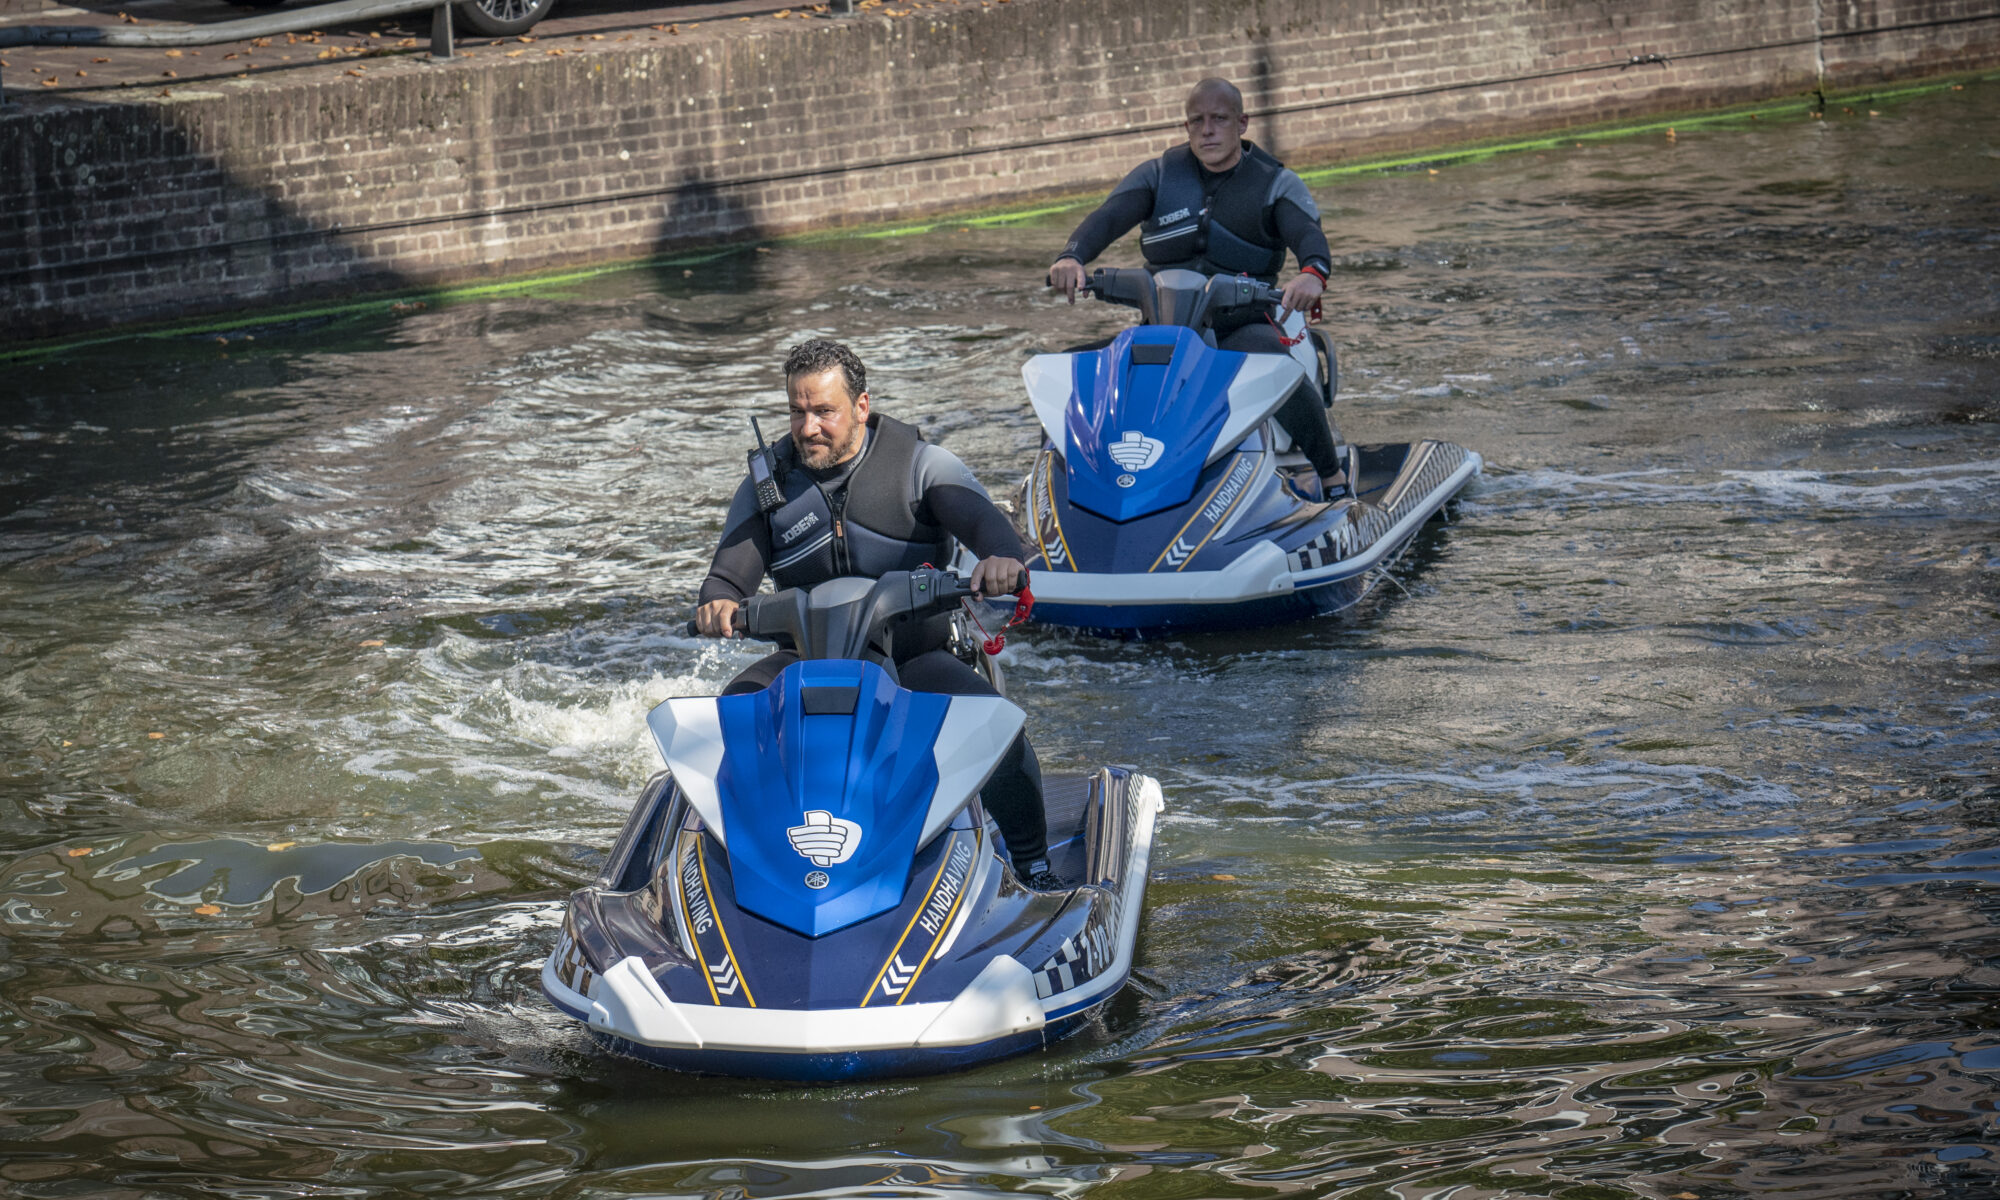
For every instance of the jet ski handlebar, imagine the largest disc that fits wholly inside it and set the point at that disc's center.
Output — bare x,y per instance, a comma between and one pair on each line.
1177,297
850,617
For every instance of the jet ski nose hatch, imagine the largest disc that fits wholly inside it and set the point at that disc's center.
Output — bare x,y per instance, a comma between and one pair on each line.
825,779
1142,416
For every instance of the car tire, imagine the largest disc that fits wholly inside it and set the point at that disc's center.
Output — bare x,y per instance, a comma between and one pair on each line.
502,18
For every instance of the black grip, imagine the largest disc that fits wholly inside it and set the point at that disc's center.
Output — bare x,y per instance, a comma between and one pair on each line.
736,624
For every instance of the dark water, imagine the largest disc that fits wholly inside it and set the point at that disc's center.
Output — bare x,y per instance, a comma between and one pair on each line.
1637,840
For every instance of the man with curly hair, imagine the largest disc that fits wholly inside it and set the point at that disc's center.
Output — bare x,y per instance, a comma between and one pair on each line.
864,495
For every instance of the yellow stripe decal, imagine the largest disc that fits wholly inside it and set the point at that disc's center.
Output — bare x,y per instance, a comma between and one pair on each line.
944,860
1242,492
1212,492
687,918
1047,468
956,902
702,859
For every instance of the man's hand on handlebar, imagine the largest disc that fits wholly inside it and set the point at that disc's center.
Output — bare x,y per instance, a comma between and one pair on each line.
997,576
716,619
1300,294
1066,276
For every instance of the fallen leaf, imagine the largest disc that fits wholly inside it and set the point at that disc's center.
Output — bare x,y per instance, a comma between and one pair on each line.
595,37
378,641
49,82
227,57
100,60
170,74
155,736
274,847
357,71
1224,878
82,74
1686,1196
78,851
557,51
207,910
128,18
515,53
1871,112
173,54
524,38
67,742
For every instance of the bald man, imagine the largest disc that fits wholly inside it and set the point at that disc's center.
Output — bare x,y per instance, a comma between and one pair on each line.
1222,206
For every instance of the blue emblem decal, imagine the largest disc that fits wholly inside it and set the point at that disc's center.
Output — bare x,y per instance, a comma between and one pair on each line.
848,792
1138,434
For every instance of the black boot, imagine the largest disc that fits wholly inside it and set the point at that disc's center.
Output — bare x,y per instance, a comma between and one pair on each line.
1036,876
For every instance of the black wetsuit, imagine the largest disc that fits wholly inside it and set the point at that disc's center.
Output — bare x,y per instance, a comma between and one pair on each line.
1222,223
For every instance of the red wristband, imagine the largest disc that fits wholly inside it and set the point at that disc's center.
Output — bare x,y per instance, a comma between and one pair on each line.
1315,272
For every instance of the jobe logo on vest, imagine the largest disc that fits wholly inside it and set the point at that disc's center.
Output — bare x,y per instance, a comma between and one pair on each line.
1177,215
804,523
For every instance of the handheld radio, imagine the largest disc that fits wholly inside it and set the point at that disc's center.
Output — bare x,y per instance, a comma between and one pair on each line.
764,473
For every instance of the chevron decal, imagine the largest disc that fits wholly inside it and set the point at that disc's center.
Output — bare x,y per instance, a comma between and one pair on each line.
1213,513
896,979
932,918
724,976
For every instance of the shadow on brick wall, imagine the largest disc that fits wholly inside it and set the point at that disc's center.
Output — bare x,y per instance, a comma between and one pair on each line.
122,217
699,214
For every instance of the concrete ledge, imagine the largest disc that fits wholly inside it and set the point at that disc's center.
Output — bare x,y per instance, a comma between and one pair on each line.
136,203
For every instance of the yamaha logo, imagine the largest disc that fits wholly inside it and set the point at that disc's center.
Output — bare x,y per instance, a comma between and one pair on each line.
816,880
1126,481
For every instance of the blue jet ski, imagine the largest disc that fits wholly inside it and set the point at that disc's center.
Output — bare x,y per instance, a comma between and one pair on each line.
1167,498
811,890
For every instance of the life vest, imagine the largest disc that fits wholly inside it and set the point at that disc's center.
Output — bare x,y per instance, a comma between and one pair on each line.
876,529
1223,230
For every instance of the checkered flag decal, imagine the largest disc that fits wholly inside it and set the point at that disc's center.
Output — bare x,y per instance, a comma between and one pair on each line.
1059,974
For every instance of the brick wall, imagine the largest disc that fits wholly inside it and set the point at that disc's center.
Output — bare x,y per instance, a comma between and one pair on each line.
126,205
